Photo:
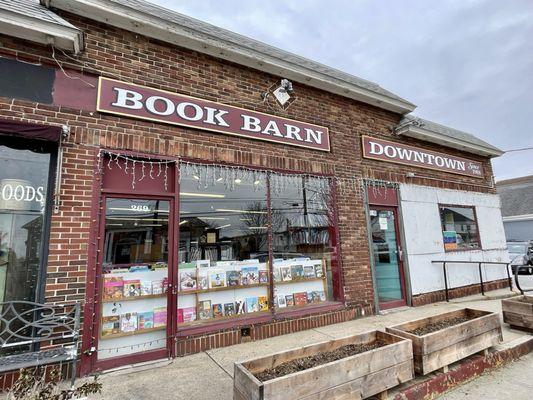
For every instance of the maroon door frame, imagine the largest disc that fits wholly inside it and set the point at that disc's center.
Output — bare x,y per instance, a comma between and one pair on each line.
403,302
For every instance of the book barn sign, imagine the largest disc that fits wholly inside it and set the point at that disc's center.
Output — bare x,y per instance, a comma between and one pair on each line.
146,103
384,150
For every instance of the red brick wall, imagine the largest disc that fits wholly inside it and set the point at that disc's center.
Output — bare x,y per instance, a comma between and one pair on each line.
123,55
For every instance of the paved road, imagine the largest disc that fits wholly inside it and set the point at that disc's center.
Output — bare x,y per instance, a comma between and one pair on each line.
511,382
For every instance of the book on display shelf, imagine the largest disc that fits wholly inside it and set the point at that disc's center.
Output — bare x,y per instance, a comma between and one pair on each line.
203,279
277,274
281,300
110,325
297,272
157,287
240,307
322,295
300,298
113,288
160,317
146,320
252,304
229,309
250,275
319,271
218,310
160,265
217,279
263,303
132,288
309,271
128,322
180,315
146,288
286,273
204,309
188,280
139,268
203,263
233,278
289,300
189,314
263,276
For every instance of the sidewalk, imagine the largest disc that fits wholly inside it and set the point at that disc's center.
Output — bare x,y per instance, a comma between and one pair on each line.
208,375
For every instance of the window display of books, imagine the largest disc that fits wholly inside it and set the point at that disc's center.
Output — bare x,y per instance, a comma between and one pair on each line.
133,322
285,271
117,288
299,299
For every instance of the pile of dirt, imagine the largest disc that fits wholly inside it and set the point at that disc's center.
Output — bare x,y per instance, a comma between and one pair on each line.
437,326
304,363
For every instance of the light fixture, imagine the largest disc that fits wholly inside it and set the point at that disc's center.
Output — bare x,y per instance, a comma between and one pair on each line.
213,218
223,226
196,177
208,195
220,179
257,182
237,181
184,221
257,227
137,219
240,211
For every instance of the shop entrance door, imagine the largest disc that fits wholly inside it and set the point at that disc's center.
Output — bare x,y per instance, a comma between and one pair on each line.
136,253
388,265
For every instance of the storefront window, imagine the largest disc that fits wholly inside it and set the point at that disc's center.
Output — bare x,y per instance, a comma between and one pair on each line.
24,172
135,276
223,249
460,230
302,228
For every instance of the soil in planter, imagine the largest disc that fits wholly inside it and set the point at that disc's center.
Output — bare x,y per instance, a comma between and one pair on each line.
437,326
315,360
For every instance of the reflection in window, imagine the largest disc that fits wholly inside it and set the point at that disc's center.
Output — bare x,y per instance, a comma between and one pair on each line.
302,228
460,231
135,280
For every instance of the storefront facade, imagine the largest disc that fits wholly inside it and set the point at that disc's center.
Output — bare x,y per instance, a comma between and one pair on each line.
194,212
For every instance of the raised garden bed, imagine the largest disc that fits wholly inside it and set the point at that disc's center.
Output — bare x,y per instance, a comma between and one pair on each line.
518,312
443,339
354,367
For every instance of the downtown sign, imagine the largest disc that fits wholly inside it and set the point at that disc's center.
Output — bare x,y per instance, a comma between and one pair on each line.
135,101
385,150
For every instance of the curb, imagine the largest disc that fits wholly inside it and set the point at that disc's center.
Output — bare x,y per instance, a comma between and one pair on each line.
438,383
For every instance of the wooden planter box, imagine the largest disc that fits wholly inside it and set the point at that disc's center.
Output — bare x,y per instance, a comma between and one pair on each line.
518,312
358,376
441,348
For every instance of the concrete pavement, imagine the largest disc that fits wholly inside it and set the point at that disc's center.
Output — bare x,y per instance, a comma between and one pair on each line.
208,375
514,381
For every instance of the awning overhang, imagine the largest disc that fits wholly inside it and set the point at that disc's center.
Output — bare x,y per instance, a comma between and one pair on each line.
30,131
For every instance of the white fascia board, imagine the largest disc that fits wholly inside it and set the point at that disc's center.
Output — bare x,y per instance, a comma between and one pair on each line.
430,136
148,25
514,218
39,31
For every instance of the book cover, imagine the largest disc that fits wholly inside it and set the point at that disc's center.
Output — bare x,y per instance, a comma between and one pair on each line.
217,279
252,304
113,288
250,276
202,263
132,288
309,271
189,314
157,287
240,307
164,283
322,295
319,271
128,322
263,303
233,278
110,325
282,301
297,272
146,288
286,273
300,299
229,309
160,265
146,320
218,310
204,309
289,299
160,316
277,274
188,279
139,268
180,315
310,297
263,276
203,279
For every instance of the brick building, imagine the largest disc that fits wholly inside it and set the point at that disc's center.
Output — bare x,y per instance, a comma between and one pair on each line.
158,169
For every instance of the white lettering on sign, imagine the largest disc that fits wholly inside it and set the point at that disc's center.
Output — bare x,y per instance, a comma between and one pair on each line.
136,207
22,193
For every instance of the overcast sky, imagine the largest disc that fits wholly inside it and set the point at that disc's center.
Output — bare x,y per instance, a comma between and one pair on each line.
467,64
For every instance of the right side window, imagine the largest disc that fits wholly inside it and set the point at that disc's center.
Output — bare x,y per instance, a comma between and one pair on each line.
302,242
459,228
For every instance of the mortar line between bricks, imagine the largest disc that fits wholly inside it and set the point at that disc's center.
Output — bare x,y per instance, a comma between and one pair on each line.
220,366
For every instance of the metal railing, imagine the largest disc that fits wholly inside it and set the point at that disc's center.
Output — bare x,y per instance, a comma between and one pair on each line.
479,263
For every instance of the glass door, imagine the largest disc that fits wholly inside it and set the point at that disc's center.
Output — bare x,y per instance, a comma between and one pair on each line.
388,267
136,250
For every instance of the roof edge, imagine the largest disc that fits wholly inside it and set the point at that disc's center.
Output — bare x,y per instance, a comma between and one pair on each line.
44,32
516,218
152,26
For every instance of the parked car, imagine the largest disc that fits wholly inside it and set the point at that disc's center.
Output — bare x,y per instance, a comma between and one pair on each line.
521,254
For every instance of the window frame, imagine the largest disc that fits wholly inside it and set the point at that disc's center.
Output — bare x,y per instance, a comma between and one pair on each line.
477,236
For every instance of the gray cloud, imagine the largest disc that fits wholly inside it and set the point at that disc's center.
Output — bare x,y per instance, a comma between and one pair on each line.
466,64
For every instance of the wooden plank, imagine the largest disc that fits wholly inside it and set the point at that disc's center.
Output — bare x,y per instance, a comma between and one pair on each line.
337,373
515,319
275,359
385,379
417,341
247,385
342,392
438,359
519,305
